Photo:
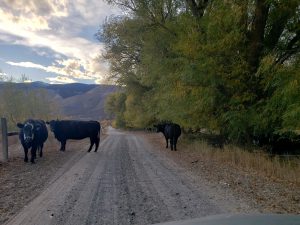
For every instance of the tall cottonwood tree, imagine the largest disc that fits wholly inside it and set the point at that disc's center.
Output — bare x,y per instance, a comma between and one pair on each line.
229,66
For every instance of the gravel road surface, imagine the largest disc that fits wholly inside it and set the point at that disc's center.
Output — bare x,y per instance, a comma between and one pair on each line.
125,182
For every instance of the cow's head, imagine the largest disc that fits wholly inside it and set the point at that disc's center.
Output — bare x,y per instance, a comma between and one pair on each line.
28,131
52,124
160,127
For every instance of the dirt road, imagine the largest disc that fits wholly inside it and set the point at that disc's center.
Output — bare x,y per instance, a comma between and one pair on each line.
126,182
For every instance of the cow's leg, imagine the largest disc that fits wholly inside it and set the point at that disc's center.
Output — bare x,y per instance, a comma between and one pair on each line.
92,144
33,154
63,145
175,142
172,143
167,141
41,150
97,143
26,154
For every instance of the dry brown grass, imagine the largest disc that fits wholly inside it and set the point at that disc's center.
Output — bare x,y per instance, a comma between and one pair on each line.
285,168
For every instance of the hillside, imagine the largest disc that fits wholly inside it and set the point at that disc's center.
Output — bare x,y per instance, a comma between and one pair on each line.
76,101
87,105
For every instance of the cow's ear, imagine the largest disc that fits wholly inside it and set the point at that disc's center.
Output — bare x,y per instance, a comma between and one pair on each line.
20,125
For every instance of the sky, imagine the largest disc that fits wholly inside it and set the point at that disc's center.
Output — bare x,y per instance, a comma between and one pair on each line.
53,41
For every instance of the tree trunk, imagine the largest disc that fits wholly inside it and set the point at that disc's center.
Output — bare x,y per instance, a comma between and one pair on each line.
256,37
197,9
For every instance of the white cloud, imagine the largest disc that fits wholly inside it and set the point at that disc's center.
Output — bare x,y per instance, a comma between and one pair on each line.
32,23
60,80
56,25
92,12
36,7
27,65
2,74
69,68
31,15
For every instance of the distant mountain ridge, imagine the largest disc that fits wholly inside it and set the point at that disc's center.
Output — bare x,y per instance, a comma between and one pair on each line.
75,100
64,90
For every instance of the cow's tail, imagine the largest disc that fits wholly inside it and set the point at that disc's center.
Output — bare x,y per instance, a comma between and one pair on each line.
98,139
98,135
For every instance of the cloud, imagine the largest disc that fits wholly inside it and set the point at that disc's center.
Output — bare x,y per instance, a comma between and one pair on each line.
32,23
92,12
7,38
60,80
31,15
2,74
27,65
36,7
72,68
57,26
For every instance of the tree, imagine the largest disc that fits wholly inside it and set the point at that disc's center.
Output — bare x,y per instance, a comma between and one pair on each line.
228,66
115,108
17,104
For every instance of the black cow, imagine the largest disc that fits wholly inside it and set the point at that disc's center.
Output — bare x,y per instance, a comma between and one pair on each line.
171,131
76,130
33,134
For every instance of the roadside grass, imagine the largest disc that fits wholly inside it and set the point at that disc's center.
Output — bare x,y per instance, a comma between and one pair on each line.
282,167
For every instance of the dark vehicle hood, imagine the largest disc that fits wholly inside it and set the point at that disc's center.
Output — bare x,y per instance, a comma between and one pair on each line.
241,219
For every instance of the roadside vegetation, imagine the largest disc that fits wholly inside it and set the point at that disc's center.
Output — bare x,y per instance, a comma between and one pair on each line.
230,67
282,168
18,105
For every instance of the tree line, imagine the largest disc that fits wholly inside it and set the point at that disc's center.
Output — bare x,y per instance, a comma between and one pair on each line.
231,67
18,105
